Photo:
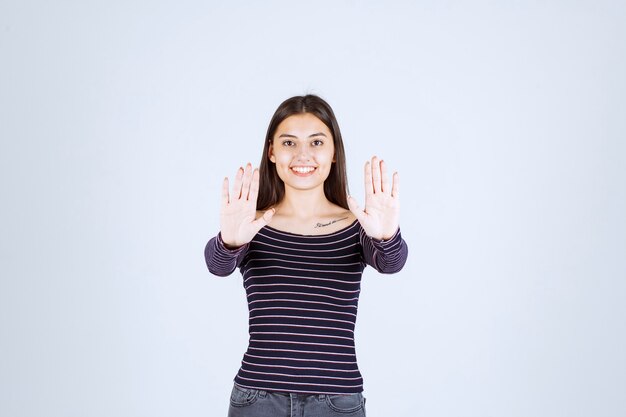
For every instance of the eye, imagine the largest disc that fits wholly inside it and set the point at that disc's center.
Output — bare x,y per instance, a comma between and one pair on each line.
317,142
288,142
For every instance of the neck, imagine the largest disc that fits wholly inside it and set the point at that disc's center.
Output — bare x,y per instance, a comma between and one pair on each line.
303,204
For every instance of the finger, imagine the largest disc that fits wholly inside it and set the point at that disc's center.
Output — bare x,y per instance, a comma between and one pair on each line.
369,188
376,174
384,179
254,186
236,194
395,190
225,198
355,209
247,179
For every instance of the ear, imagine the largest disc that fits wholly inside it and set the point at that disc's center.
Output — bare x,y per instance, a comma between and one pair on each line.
270,153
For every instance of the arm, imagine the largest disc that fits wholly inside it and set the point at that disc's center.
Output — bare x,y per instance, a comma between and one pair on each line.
382,245
386,256
221,260
238,225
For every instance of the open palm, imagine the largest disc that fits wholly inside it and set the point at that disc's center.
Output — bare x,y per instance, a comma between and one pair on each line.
238,211
380,217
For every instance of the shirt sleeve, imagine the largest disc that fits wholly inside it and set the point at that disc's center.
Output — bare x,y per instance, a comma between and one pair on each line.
221,260
386,256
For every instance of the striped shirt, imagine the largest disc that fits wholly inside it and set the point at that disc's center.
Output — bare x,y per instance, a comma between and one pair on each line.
303,293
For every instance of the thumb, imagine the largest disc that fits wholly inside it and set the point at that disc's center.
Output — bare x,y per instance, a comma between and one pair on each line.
265,219
355,209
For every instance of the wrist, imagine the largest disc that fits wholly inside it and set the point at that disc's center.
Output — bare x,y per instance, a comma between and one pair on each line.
232,246
390,236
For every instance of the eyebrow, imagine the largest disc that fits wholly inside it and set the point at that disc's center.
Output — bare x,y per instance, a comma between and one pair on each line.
286,135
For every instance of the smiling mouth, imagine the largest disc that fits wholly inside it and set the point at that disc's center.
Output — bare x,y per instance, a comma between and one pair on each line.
303,170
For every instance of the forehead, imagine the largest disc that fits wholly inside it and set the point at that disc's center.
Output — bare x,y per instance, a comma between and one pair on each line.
302,126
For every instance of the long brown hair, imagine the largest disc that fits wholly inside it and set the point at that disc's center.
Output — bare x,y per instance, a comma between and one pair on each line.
271,187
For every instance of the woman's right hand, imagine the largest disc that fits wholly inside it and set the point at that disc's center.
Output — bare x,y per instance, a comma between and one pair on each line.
238,223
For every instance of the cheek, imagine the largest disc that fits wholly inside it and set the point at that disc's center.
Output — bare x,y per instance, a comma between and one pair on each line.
326,155
283,158
282,163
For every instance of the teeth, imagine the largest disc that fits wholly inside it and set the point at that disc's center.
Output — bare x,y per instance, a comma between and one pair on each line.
303,170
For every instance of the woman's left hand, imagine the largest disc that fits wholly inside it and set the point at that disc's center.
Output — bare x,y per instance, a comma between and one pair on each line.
380,218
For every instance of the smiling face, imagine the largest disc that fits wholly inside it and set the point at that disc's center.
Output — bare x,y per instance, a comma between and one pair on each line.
303,151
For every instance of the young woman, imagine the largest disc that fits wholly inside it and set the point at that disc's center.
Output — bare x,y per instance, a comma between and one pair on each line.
301,244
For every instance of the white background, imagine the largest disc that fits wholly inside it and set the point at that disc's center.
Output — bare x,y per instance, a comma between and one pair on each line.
506,121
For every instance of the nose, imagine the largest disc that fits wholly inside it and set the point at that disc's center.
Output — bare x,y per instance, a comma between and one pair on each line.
303,154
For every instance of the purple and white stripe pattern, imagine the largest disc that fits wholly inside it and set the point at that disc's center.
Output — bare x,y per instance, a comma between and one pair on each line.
303,293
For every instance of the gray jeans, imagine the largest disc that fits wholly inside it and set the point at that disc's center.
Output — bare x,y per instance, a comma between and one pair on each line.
249,402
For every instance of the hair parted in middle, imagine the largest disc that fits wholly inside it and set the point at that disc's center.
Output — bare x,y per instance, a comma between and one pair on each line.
271,187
